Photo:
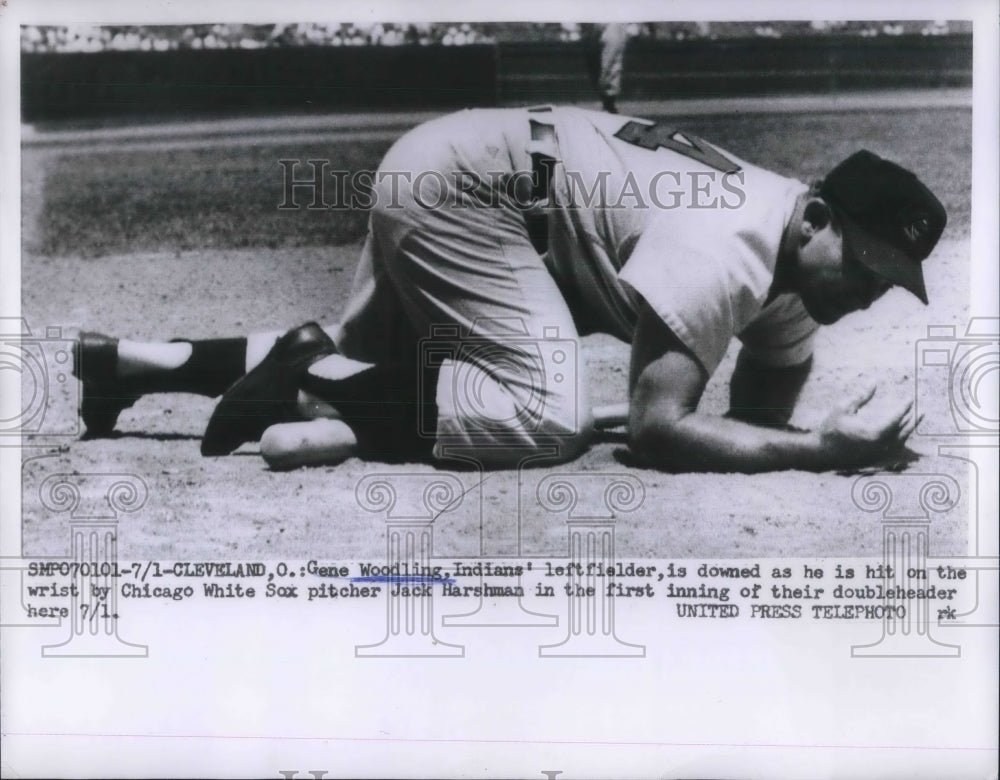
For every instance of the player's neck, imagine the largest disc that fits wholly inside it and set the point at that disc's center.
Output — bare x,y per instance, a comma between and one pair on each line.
788,250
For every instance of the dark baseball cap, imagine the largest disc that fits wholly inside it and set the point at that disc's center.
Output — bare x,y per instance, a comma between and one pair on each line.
890,220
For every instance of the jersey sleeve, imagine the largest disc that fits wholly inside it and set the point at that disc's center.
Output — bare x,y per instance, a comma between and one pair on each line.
706,284
782,334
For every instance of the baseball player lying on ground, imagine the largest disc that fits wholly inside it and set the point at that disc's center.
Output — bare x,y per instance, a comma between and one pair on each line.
496,237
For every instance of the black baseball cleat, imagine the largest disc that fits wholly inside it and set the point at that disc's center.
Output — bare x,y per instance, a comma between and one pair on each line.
268,394
104,396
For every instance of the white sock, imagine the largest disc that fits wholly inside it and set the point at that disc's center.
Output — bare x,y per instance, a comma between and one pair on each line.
140,357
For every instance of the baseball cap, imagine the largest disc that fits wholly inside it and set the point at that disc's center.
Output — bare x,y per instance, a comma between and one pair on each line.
890,220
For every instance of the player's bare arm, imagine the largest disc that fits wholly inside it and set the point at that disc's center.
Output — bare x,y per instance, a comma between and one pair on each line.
765,395
667,431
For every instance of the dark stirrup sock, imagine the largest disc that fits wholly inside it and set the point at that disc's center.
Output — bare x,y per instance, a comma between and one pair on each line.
391,407
213,366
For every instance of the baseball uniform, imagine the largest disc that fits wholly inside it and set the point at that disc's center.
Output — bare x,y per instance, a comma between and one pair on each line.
630,208
606,44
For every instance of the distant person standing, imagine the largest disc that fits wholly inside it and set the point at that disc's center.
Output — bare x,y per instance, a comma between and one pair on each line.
605,54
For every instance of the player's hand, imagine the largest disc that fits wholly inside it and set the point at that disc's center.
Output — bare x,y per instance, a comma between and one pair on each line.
863,431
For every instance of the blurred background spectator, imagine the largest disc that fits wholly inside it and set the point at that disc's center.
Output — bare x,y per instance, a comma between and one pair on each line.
93,38
604,54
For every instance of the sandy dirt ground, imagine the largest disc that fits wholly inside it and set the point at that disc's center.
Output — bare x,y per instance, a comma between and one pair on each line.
235,508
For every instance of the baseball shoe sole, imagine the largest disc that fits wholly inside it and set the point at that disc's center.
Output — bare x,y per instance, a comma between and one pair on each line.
266,395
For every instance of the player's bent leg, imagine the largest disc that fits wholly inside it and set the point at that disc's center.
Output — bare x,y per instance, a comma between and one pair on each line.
260,343
268,393
389,406
319,442
115,374
302,377
452,268
491,416
515,386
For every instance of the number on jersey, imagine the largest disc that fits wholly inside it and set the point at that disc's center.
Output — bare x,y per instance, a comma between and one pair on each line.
658,136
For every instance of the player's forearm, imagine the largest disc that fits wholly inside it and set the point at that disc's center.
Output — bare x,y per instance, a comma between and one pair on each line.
764,395
702,442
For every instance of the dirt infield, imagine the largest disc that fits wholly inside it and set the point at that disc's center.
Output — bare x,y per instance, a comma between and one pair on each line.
235,508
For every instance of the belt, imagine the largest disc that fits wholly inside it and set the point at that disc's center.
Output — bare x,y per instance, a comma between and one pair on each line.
542,150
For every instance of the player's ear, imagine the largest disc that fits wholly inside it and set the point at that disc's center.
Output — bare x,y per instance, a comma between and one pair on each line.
815,216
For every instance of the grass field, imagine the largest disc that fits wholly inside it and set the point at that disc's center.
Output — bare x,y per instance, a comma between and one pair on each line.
188,242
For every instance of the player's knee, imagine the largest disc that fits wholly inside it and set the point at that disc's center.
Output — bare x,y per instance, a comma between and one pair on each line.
570,424
507,422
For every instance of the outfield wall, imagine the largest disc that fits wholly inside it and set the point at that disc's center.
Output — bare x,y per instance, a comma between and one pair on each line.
243,81
750,66
324,79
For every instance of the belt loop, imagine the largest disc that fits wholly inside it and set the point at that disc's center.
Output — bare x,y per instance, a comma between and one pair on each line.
543,132
543,151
